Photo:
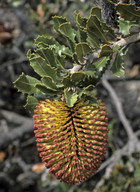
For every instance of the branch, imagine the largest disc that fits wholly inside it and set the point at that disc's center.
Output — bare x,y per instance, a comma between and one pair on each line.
123,151
24,126
123,42
110,162
75,68
119,108
128,40
13,62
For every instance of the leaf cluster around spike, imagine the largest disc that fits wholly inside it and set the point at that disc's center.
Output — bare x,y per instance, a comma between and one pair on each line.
50,57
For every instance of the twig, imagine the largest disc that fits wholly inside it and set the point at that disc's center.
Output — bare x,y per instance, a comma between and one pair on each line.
119,108
24,166
128,40
28,142
18,132
75,68
123,42
133,144
13,117
13,62
110,162
25,125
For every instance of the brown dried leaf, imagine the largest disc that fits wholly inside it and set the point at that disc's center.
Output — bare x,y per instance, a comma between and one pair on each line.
5,38
38,168
2,156
134,71
40,11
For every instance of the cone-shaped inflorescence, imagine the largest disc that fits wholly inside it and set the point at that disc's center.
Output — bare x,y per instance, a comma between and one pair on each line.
71,141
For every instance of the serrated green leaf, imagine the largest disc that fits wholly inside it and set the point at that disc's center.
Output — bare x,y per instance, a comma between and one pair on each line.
80,21
45,42
92,39
75,58
94,27
63,51
29,54
58,21
87,90
125,26
70,97
128,11
92,100
77,77
106,50
81,50
99,64
26,84
66,30
89,97
41,96
31,103
48,55
117,66
96,11
43,88
74,79
81,35
51,51
49,83
90,72
67,82
61,62
42,68
90,78
108,30
94,71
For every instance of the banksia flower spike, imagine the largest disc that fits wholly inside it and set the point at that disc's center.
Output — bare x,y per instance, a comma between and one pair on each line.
71,141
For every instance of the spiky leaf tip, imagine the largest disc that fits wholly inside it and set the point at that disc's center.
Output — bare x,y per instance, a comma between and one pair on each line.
71,140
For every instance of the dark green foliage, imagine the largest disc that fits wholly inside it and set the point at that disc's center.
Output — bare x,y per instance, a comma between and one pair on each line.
129,12
90,35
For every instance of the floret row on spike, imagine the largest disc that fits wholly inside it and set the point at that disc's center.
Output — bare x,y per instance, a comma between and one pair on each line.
71,141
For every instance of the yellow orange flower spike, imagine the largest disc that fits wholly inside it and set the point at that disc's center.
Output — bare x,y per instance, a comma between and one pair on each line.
71,141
